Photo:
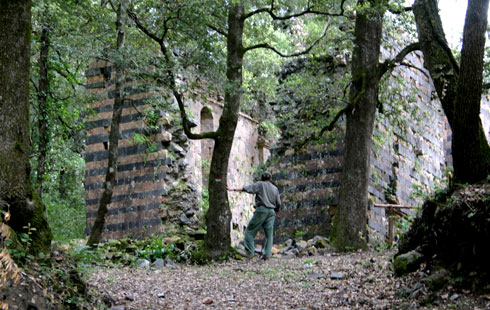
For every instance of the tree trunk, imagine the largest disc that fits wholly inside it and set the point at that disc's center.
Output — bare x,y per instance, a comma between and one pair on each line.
42,96
471,152
218,217
16,189
106,198
349,227
459,90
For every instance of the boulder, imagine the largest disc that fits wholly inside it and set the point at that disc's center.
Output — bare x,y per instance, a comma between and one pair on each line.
301,245
159,263
142,263
437,280
407,262
321,242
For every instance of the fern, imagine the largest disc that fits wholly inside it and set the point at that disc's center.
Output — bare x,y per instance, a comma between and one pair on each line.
8,268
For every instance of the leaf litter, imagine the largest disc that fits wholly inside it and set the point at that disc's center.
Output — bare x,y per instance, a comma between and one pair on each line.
361,280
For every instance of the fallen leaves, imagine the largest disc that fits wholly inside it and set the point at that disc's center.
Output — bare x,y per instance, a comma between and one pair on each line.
287,283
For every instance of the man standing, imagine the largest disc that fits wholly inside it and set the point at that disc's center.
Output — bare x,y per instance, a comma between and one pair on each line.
267,202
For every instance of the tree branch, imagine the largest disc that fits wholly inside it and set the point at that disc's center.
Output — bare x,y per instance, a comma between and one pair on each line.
337,116
400,10
145,30
169,71
389,64
441,40
34,84
309,10
220,31
307,50
415,67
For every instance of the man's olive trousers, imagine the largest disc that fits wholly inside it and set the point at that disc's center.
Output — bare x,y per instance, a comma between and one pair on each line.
263,217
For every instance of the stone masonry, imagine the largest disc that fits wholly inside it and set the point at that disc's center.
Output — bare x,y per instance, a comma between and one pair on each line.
160,177
406,158
160,182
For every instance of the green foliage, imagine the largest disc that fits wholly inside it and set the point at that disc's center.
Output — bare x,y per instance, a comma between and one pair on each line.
298,235
269,130
20,248
154,249
139,138
64,193
438,190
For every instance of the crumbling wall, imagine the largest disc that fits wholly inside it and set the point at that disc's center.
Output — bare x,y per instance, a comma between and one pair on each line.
159,182
409,154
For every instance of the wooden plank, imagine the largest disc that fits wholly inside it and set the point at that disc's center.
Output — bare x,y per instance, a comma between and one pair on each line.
385,206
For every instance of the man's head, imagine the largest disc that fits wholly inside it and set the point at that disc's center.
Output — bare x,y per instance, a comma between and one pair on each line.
266,176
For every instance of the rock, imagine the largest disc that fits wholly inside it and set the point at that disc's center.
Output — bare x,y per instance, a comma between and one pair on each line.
120,307
159,263
130,298
108,300
437,280
312,251
321,242
407,262
161,295
165,137
293,251
314,275
454,297
303,253
190,213
301,245
288,243
207,301
169,263
275,250
142,263
336,276
171,240
184,220
177,149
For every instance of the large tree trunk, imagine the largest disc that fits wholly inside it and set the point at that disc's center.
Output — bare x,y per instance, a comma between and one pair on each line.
218,217
16,191
349,227
106,198
471,152
459,90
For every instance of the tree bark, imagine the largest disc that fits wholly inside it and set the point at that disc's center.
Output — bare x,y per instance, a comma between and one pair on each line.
106,198
459,90
349,226
218,218
16,190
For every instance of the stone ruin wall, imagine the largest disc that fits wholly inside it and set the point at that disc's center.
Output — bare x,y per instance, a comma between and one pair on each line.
162,187
402,160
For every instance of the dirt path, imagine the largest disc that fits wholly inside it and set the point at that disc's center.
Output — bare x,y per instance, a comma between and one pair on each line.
351,281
